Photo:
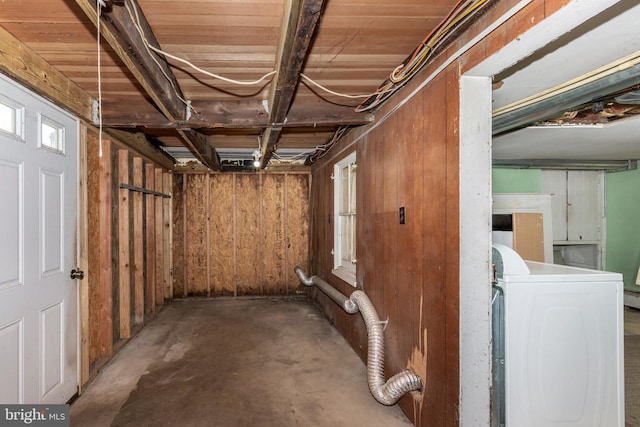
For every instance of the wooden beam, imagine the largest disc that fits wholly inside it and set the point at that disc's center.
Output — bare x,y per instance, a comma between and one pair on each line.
300,28
25,66
231,115
139,144
122,32
199,145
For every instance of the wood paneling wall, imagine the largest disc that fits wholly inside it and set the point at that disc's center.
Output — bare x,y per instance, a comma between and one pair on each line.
239,233
410,271
128,239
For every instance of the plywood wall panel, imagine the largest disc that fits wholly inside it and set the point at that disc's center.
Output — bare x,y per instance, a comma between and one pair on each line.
196,236
452,245
433,309
222,241
273,247
297,221
388,279
179,218
258,231
247,234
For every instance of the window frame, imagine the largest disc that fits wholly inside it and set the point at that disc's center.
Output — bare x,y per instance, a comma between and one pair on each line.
59,132
17,120
341,268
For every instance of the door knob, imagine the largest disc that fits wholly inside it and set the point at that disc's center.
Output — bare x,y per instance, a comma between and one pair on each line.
76,273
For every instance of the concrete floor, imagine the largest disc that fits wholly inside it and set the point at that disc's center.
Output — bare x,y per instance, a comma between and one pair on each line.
234,362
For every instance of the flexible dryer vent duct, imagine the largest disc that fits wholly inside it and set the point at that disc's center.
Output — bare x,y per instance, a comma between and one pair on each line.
389,392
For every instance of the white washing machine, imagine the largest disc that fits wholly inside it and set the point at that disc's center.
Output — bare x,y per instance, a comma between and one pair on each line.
558,345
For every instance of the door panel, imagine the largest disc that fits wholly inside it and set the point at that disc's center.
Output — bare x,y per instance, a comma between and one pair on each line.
11,213
38,299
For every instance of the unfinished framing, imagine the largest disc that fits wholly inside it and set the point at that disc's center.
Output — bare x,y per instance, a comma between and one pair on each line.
239,234
128,262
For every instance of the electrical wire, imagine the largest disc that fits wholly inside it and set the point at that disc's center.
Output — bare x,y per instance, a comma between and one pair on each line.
322,150
319,86
462,12
136,19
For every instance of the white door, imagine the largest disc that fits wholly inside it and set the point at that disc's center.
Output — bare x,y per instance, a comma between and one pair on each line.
38,203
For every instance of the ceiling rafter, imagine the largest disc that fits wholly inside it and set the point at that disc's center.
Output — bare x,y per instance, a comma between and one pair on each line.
230,115
298,33
156,77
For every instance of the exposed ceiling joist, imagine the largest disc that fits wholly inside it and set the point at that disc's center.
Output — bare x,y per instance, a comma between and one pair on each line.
230,115
123,32
295,41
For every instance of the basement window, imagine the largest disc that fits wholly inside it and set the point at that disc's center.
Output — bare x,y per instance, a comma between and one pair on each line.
344,241
51,135
11,118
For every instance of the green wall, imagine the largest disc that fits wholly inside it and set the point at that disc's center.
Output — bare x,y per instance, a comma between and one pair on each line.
622,211
516,180
623,225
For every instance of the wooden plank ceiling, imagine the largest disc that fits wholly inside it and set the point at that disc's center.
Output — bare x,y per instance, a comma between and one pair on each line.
348,46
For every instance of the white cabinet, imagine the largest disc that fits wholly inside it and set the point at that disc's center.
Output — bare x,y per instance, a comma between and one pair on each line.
577,209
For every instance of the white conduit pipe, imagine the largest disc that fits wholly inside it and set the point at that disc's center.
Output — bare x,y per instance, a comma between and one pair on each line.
389,392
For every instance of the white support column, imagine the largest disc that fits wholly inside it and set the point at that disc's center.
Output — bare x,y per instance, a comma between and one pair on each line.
475,251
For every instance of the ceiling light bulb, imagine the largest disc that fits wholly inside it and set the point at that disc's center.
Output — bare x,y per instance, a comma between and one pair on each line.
256,159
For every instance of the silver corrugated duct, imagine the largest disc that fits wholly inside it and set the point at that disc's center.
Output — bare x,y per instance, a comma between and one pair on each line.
389,392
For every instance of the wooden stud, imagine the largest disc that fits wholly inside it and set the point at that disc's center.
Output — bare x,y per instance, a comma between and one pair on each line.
138,242
124,248
207,189
151,238
104,317
185,240
166,212
160,260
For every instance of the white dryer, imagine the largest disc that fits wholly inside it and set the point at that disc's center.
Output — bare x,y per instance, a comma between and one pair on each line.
558,345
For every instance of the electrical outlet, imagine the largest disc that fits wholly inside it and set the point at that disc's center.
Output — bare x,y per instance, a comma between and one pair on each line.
403,218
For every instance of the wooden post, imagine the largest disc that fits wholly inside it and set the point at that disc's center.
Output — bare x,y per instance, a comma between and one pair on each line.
101,292
159,242
138,242
166,213
151,238
123,242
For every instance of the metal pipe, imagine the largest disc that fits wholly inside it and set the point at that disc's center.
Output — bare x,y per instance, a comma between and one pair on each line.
340,299
389,392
